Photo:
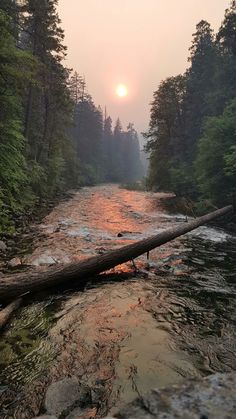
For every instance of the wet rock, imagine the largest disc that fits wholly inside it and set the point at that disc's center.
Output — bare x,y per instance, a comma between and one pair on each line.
128,232
98,394
44,260
101,250
3,246
65,395
212,397
13,263
79,413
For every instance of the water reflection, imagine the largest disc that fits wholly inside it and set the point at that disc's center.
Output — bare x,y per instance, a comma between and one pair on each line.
123,336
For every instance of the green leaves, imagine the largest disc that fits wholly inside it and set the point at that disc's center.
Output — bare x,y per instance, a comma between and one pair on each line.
216,158
192,130
13,179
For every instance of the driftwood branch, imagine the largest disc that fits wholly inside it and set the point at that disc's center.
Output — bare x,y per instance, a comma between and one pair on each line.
13,286
7,312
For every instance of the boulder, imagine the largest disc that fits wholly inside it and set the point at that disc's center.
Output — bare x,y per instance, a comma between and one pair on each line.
212,397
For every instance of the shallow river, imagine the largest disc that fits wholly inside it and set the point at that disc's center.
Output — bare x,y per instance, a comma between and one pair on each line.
127,332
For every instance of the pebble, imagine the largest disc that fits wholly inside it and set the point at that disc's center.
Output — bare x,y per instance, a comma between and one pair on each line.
13,263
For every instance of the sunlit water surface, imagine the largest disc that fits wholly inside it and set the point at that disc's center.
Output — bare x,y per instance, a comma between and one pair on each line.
126,333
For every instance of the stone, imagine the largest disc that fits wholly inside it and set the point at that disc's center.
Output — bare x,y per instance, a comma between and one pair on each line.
79,413
13,263
211,397
44,260
11,243
98,394
65,395
76,413
3,246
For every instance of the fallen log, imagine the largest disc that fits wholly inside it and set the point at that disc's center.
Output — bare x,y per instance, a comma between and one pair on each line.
13,286
7,312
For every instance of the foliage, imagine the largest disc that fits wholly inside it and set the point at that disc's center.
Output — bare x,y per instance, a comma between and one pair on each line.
12,162
191,138
215,161
52,136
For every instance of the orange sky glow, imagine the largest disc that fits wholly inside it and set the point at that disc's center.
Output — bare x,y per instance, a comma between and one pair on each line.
136,43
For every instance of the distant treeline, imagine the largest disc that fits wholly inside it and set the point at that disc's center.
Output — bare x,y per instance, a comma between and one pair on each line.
105,154
192,131
52,136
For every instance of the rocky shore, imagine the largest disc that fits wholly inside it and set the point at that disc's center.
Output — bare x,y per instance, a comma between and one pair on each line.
21,239
211,398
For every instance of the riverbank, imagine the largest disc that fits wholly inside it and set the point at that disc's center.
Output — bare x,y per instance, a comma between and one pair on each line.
15,245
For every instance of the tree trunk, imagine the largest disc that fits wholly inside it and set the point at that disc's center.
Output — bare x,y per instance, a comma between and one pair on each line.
28,112
12,286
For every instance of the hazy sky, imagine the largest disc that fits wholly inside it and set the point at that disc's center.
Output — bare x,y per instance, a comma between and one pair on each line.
135,42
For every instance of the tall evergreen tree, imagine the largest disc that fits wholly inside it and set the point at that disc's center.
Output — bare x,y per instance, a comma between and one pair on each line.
108,148
87,134
167,133
226,68
133,167
200,83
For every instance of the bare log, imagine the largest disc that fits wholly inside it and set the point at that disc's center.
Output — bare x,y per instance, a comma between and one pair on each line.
7,312
13,286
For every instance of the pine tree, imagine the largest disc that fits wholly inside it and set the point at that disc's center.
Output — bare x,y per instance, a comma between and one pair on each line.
167,133
226,68
118,162
200,83
108,148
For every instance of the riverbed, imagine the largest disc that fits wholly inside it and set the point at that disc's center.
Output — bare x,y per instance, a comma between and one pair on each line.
147,325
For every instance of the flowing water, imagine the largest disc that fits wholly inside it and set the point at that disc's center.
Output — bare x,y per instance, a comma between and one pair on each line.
126,332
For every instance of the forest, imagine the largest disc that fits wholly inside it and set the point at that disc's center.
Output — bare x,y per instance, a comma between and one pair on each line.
117,280
192,131
52,135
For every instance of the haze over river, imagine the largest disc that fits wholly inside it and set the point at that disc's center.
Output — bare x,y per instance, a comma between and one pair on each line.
126,333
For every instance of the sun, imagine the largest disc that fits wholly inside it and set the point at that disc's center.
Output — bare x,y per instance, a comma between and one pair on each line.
122,90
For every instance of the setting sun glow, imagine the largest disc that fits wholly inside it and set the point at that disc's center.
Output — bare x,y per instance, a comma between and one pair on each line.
121,90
